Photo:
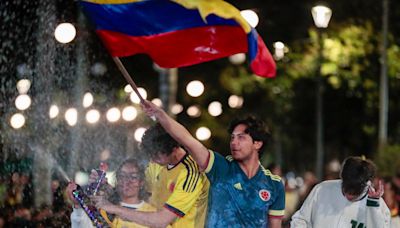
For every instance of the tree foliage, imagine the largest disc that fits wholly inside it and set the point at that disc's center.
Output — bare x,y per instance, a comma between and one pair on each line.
350,68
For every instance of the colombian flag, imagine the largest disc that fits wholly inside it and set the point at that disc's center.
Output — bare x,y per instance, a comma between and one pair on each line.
177,33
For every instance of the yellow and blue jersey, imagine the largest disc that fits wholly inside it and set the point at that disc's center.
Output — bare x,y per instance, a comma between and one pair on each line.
237,201
183,190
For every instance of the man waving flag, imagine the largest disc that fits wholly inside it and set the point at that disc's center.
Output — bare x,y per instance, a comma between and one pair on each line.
177,33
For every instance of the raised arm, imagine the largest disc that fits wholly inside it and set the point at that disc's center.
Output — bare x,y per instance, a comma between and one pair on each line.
378,214
198,151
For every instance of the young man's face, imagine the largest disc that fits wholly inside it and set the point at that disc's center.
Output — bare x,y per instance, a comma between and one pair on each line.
355,197
242,145
128,181
350,197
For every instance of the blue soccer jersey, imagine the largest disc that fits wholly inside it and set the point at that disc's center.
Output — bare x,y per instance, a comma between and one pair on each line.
237,201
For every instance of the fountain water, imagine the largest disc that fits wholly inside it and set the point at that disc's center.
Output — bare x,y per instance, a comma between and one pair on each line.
60,74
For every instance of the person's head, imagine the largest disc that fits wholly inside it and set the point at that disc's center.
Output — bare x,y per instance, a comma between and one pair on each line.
248,134
130,179
275,169
356,174
158,144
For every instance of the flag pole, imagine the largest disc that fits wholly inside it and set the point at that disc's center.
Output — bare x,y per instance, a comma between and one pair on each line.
127,77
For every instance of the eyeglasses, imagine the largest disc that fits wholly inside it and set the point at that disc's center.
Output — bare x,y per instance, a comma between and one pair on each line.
128,177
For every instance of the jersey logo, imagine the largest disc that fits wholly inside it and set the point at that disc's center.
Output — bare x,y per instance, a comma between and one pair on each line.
238,186
264,195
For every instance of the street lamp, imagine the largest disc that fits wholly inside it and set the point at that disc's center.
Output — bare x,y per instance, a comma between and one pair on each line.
321,16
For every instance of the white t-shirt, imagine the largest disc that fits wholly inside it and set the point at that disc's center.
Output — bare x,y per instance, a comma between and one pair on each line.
327,207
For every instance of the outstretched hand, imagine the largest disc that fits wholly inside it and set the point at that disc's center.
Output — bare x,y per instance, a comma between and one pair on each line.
100,201
151,110
70,188
376,193
94,175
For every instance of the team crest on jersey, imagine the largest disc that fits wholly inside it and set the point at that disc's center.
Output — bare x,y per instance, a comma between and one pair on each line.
264,194
171,187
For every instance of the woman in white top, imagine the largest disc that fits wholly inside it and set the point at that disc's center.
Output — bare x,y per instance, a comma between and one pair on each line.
129,191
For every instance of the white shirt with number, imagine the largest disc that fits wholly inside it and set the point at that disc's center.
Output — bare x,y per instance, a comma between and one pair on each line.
327,207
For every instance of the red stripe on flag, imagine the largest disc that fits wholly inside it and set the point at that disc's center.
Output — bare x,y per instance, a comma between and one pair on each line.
183,47
263,64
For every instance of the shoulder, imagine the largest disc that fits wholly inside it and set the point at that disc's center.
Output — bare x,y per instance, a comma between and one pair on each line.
189,176
329,187
330,184
270,175
189,165
229,158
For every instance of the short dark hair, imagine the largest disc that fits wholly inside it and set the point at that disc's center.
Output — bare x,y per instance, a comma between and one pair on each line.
256,128
355,174
156,141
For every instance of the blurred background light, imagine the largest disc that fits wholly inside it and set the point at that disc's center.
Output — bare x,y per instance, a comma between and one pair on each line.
71,116
113,114
238,58
176,109
215,108
23,102
87,100
235,101
23,86
17,121
128,89
92,116
135,99
81,178
65,33
195,88
157,101
203,133
193,111
139,134
129,113
251,17
54,111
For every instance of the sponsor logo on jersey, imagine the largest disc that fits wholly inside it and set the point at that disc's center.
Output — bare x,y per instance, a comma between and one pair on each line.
238,186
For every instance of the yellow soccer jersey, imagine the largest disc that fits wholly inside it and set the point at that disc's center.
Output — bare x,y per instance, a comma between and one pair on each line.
152,176
183,190
119,223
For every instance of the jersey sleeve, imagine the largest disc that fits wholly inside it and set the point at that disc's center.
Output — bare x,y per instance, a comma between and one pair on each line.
378,214
217,166
187,190
277,209
302,217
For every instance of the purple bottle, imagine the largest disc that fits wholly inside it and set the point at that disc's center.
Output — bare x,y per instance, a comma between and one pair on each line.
94,187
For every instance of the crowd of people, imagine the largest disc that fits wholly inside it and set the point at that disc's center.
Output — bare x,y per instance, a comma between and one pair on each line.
17,203
186,184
